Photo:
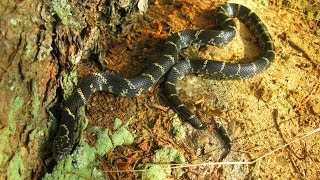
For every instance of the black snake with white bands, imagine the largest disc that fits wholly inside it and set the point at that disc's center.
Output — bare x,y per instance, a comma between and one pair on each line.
69,127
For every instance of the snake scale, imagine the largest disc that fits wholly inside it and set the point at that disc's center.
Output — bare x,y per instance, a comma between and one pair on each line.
69,127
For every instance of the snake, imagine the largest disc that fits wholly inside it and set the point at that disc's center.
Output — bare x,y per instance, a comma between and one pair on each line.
172,69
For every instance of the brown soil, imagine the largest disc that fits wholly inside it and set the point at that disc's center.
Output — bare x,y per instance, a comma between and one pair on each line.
260,114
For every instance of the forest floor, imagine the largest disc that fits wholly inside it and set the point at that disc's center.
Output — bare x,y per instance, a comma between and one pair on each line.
272,119
260,114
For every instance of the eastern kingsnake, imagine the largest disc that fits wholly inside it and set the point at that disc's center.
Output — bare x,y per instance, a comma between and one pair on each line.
69,128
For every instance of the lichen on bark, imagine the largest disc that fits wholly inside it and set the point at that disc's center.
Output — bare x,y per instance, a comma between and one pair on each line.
40,40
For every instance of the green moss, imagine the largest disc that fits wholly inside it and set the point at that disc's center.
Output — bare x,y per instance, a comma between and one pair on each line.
30,48
13,22
83,156
37,133
168,154
69,80
38,46
122,135
16,168
67,169
178,129
36,101
63,10
29,51
117,123
35,20
155,172
164,155
103,143
82,163
16,105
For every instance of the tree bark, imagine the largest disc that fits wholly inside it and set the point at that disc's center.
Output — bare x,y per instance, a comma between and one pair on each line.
41,42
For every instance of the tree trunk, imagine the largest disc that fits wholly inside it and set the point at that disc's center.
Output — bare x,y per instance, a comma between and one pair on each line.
40,42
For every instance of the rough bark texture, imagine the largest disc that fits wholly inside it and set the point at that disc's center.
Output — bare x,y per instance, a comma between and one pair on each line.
39,42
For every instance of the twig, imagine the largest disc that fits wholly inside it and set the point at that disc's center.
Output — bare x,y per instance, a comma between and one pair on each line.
175,166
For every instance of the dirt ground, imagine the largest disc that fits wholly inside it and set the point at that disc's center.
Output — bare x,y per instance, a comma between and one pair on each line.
260,114
273,119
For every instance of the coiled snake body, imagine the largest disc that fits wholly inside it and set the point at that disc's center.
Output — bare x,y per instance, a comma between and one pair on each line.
69,128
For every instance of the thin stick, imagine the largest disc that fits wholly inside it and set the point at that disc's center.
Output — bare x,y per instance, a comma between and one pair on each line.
175,166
